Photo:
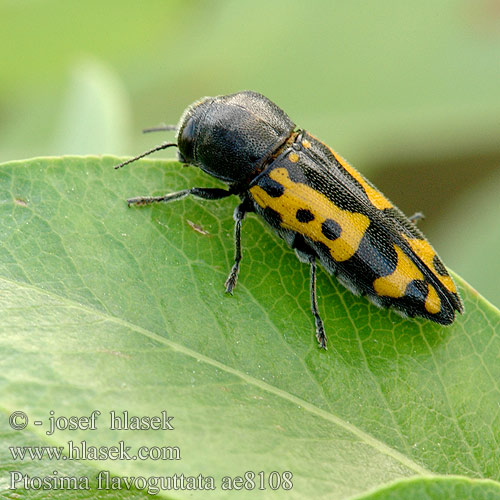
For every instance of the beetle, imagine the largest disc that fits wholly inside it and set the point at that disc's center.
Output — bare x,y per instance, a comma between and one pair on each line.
313,199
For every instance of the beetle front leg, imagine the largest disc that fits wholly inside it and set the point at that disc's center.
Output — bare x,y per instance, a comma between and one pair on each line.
205,193
238,216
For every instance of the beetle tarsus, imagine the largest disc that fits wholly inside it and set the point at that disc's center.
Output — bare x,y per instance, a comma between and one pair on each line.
230,283
148,200
320,334
416,217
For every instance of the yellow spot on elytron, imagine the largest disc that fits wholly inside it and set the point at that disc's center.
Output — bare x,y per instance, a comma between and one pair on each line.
300,196
293,157
432,302
306,144
395,284
426,253
376,197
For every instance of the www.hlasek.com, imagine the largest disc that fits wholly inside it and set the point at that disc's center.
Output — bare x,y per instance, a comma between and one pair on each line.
104,480
83,451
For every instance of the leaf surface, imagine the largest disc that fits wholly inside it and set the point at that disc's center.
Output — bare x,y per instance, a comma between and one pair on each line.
111,308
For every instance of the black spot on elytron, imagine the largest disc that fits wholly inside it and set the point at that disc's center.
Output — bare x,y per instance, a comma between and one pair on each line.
439,267
331,229
295,172
417,290
272,217
374,257
271,187
304,215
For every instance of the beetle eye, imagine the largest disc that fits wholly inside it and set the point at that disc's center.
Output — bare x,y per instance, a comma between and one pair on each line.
186,141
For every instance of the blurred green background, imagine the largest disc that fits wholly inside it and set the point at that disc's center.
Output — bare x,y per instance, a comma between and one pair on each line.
408,92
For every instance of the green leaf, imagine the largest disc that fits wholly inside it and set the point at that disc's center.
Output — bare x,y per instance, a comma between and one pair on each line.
106,308
437,488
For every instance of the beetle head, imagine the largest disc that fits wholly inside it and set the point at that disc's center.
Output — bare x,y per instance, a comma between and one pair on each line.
230,137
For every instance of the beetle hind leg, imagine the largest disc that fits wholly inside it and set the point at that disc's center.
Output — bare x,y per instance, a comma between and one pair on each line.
307,255
416,217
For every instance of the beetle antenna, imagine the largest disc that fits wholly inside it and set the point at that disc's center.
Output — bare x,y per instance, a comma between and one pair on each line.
165,145
160,129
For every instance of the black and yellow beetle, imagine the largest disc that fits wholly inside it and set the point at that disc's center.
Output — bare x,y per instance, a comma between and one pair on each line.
313,199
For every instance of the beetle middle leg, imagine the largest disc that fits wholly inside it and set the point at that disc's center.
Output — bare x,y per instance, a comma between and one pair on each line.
320,329
238,216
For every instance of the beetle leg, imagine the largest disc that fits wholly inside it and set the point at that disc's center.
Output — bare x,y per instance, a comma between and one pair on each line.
320,329
416,217
239,214
205,193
